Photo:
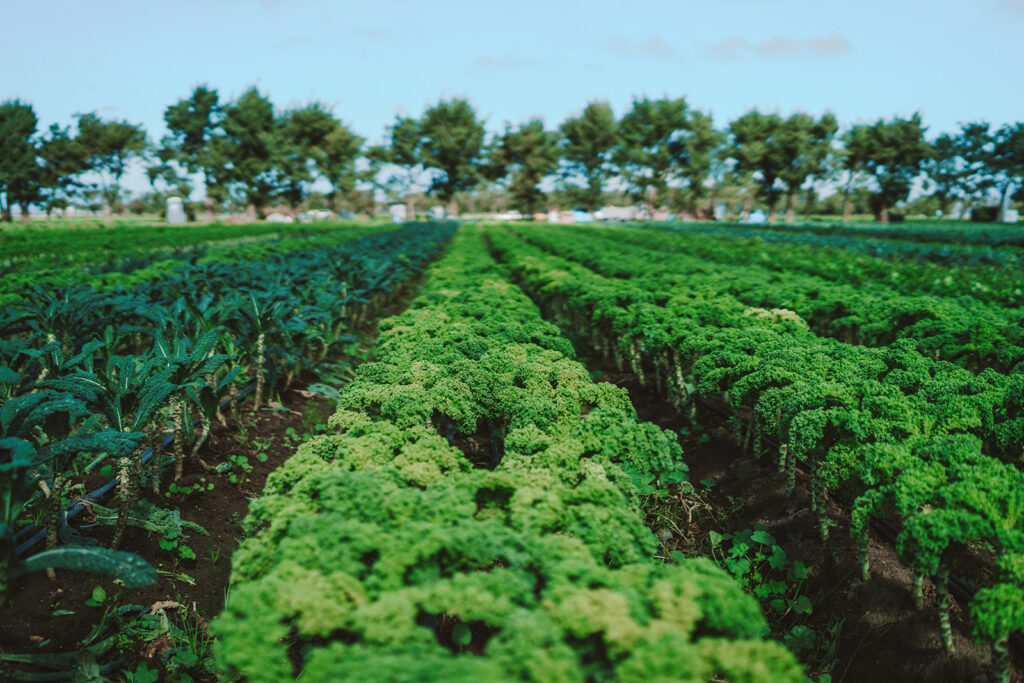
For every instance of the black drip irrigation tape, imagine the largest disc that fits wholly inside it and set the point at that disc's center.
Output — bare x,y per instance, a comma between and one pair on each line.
75,508
887,531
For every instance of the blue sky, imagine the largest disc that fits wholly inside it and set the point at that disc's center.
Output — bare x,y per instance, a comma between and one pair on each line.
952,61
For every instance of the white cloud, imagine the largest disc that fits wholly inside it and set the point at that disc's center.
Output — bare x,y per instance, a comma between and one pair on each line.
503,63
652,47
368,32
735,48
293,41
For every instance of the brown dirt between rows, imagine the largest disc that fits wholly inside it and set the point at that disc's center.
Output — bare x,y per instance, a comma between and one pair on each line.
883,637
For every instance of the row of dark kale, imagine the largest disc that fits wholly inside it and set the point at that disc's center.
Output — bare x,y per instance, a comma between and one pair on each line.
89,376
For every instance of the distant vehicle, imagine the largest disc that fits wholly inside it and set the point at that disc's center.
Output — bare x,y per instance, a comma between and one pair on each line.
346,215
437,213
398,213
616,213
582,216
756,217
279,218
314,215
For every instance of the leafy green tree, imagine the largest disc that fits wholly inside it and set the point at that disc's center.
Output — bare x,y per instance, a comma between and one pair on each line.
783,153
697,162
108,146
453,139
752,151
588,142
396,165
249,148
194,123
301,134
960,166
975,146
650,141
943,169
803,145
336,161
19,169
63,160
166,180
1008,160
853,159
530,154
313,142
893,153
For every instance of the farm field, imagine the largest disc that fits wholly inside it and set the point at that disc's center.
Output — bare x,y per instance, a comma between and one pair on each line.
512,452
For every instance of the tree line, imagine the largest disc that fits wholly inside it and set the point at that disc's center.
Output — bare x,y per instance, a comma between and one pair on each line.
662,152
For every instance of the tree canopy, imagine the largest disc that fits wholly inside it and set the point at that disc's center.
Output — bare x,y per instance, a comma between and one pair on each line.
19,172
452,141
530,154
588,142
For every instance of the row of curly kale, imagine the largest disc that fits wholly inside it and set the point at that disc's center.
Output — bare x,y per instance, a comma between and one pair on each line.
984,273
693,321
892,432
380,553
961,330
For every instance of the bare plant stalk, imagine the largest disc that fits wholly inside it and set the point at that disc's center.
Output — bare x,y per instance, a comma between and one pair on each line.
1001,661
942,588
42,375
260,378
154,471
179,435
204,434
52,517
863,555
918,589
124,495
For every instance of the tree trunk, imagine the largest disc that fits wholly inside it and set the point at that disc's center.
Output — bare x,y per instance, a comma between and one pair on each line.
1002,200
847,206
883,215
790,207
453,207
261,380
209,210
410,208
250,212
